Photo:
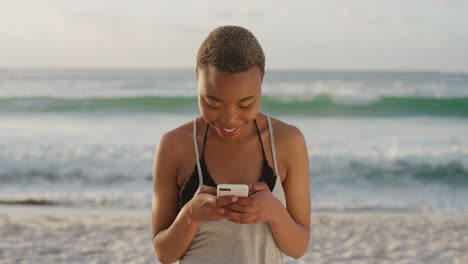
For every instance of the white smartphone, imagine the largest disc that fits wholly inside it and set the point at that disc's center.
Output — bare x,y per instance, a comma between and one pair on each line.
241,190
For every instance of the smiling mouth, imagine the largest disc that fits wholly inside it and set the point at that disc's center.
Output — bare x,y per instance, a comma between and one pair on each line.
230,130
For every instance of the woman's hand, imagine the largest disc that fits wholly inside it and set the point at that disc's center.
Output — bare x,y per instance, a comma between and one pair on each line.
259,207
205,206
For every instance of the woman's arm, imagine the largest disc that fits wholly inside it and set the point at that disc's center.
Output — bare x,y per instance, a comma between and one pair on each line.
290,226
173,230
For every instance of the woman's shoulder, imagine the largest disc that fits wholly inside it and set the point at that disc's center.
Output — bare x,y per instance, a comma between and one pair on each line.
288,140
290,146
176,140
284,132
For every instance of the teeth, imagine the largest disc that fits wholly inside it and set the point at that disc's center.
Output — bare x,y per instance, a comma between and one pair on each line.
229,130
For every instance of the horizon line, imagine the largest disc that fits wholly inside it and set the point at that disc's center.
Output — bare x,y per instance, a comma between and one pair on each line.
3,68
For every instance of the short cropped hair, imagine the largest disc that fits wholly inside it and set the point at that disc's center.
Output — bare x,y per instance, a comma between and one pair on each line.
231,49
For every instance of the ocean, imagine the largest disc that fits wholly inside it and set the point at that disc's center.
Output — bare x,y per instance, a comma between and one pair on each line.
377,141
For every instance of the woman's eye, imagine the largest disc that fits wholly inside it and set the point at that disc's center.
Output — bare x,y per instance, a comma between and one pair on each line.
213,107
245,106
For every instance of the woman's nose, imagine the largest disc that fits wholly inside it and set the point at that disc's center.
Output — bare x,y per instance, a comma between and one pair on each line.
228,117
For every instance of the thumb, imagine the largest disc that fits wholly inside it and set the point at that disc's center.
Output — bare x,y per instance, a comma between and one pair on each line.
259,186
207,189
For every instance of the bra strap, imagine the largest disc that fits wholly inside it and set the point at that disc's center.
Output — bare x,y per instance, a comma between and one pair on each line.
273,150
261,142
204,143
200,176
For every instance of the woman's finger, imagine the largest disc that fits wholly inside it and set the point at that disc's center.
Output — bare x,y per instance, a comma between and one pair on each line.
240,218
245,201
225,200
207,189
240,208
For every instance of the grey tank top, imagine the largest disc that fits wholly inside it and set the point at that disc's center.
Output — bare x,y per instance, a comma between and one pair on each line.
222,241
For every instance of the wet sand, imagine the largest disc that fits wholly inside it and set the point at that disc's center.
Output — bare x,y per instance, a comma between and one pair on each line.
38,234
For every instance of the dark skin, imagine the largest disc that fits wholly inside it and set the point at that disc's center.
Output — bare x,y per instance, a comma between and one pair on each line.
229,102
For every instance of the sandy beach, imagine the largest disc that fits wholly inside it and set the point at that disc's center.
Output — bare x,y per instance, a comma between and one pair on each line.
35,234
388,159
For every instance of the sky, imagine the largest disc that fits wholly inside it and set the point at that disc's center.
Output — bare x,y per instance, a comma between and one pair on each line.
408,35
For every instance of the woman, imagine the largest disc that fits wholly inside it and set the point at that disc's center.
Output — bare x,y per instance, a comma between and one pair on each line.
231,143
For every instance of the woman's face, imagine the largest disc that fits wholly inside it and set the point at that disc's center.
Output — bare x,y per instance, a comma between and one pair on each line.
229,101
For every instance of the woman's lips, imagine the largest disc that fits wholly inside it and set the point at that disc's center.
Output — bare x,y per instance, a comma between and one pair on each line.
228,131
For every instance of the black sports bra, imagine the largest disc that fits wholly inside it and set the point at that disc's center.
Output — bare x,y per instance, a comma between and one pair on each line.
190,187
